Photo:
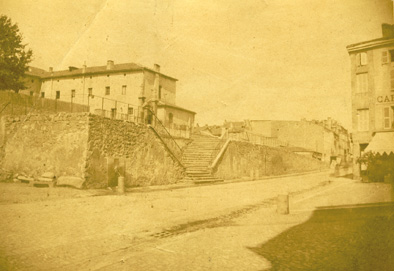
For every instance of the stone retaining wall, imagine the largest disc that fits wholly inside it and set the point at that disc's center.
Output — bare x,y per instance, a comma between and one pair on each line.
245,160
91,147
35,144
117,147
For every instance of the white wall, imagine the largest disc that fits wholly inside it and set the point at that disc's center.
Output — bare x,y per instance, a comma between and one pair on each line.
98,83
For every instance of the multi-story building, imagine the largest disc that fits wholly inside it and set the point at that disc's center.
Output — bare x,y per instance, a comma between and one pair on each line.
372,81
123,91
33,81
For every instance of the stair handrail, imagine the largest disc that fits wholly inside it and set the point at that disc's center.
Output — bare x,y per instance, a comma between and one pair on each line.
166,146
220,154
176,151
5,106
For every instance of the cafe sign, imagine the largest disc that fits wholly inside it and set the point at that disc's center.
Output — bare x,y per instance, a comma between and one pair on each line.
385,98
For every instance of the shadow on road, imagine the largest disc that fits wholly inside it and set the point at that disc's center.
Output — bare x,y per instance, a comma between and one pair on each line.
357,237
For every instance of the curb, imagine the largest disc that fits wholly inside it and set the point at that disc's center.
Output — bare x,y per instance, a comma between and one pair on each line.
193,185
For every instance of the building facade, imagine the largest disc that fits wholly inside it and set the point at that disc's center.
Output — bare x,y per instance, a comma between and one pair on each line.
372,81
327,139
122,91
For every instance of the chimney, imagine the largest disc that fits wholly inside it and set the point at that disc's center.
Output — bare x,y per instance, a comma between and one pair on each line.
157,68
50,69
110,64
388,31
84,68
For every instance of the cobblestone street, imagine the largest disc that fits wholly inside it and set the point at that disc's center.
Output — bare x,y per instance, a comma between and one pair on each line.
217,227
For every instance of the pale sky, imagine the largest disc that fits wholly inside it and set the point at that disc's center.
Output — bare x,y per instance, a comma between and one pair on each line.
235,60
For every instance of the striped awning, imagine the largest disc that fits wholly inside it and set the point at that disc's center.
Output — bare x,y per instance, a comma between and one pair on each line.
382,142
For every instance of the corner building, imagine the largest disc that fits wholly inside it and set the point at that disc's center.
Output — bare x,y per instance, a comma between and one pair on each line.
372,81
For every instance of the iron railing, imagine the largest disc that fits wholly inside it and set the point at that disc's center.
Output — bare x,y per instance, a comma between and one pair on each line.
166,137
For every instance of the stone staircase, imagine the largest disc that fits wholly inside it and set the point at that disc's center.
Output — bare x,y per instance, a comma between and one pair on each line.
198,157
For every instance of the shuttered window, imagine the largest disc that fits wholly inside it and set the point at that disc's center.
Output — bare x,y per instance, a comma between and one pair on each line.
363,59
385,57
362,83
386,117
363,120
392,80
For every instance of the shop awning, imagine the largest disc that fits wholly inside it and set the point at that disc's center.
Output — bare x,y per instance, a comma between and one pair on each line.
382,142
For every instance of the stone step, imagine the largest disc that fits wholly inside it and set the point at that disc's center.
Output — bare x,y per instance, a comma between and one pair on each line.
196,163
196,154
202,177
199,150
208,181
201,172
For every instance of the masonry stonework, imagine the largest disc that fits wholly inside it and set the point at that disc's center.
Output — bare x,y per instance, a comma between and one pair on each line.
243,159
116,148
35,144
87,146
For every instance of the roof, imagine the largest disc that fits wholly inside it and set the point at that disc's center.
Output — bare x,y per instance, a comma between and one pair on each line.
162,104
36,72
382,142
123,67
364,45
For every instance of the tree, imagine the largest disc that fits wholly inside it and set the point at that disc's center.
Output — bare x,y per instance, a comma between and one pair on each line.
14,58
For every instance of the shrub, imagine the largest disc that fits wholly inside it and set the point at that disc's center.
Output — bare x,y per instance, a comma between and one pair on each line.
378,166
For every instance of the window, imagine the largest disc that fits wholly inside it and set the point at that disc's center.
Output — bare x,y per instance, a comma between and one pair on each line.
130,111
124,90
391,55
386,118
170,118
362,59
362,83
90,91
42,94
113,113
58,94
73,93
385,57
107,91
159,92
363,120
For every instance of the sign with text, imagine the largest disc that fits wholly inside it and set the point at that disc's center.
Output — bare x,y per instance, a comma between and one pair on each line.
385,98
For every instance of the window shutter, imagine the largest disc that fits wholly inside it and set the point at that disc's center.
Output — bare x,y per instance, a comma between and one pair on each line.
385,57
386,117
363,59
358,60
392,80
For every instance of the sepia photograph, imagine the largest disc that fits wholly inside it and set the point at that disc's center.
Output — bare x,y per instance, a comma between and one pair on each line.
197,135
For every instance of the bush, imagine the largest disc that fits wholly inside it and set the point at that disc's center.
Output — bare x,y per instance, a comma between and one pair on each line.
378,166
